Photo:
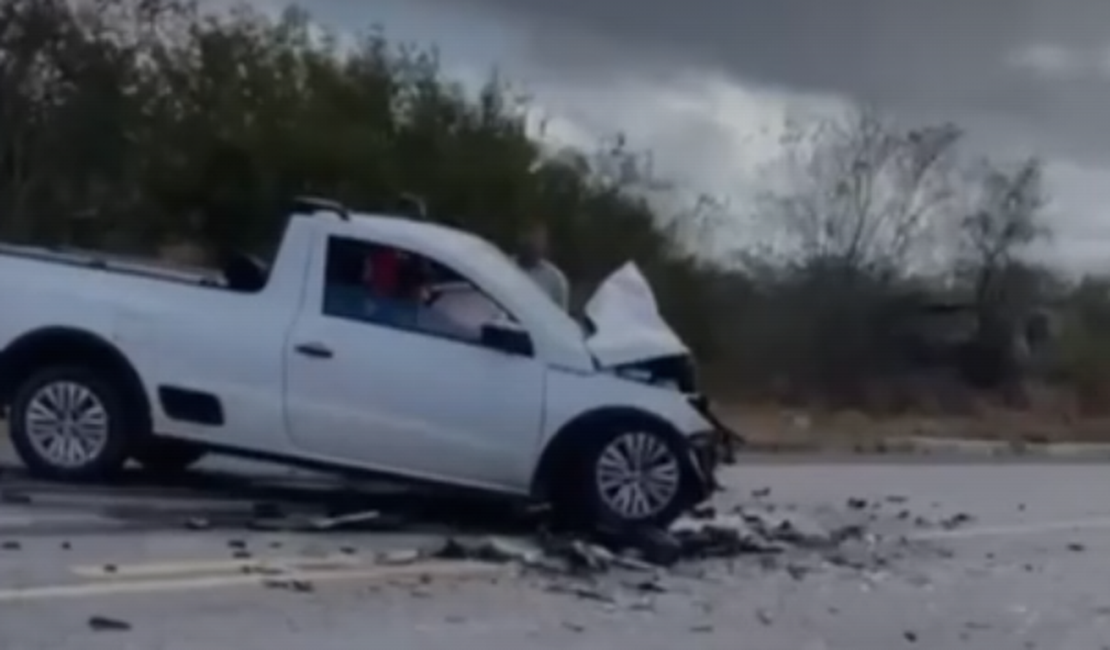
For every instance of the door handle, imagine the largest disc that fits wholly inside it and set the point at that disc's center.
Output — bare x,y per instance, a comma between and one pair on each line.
316,350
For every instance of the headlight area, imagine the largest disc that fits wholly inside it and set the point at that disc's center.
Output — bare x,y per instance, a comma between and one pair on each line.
677,372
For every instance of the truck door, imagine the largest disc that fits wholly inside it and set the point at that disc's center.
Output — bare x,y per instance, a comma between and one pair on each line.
383,387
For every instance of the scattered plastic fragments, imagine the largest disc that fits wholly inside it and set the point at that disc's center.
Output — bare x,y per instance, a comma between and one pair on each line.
105,624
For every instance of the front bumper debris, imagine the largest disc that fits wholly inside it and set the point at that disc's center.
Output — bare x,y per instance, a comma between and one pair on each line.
725,440
706,458
713,447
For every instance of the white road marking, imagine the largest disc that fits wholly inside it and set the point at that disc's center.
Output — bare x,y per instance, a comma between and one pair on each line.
29,521
164,501
1015,530
441,569
195,567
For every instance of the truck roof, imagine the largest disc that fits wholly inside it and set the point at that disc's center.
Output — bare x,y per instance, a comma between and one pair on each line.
420,236
390,229
406,228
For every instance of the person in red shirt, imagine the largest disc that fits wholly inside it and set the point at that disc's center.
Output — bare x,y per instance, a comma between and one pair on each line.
380,271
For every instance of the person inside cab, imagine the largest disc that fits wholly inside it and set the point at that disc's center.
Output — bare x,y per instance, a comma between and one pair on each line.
401,289
392,287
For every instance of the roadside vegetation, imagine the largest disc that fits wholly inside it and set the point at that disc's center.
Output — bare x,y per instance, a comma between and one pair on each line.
898,281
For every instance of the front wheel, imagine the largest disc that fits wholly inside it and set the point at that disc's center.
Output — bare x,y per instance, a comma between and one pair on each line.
70,423
632,477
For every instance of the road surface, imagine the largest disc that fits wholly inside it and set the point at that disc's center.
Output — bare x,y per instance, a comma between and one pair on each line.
1027,572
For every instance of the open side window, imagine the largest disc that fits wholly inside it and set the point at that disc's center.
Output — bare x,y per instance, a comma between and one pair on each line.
392,287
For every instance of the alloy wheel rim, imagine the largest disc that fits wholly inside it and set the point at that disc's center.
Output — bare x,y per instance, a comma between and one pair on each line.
66,424
637,475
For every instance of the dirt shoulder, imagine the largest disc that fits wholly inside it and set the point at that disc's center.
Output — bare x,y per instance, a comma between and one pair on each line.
770,428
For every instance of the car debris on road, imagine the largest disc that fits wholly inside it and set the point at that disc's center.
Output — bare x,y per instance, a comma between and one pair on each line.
106,624
360,520
743,532
589,563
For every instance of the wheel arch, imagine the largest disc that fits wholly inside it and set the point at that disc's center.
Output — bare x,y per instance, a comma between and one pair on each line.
57,345
565,443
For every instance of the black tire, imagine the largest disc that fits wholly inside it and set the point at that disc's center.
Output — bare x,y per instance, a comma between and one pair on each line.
162,456
582,501
99,391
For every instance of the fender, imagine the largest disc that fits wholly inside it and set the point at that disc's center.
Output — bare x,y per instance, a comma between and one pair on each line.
64,344
564,443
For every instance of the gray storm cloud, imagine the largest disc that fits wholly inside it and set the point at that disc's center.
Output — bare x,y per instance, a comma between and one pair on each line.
1018,74
952,58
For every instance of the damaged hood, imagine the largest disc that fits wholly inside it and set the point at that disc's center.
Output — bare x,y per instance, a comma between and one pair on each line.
628,326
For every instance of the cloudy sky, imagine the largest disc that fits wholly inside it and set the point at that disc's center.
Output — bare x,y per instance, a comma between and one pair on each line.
702,81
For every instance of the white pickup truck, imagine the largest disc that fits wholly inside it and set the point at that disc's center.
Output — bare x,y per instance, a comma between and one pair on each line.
373,344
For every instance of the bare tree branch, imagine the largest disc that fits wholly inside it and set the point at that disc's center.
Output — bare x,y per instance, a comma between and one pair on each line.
861,191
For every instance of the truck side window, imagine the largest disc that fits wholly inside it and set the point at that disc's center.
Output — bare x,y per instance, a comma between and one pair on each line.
386,286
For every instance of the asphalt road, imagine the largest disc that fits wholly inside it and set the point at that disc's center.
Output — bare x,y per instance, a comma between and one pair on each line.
1027,572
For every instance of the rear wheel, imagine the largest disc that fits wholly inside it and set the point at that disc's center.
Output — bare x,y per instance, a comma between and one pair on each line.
70,423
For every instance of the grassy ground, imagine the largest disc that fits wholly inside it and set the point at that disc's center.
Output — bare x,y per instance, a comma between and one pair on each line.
1049,414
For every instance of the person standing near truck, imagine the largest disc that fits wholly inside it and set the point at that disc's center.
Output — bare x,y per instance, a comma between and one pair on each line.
532,258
